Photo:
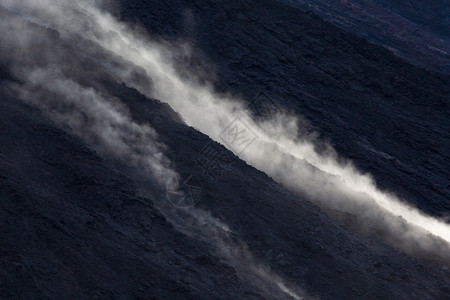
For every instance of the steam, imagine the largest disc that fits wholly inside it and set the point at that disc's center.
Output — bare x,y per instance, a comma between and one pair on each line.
103,124
74,102
201,225
289,159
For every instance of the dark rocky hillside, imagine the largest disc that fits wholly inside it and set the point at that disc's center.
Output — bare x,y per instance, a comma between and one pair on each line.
387,115
416,30
77,225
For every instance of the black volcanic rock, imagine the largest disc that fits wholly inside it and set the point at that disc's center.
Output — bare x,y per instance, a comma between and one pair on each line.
72,224
387,115
416,30
75,225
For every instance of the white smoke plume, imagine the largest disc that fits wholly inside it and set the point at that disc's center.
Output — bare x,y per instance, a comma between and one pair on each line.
294,162
103,124
54,85
102,121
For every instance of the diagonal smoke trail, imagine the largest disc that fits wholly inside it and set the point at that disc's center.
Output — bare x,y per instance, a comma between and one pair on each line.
104,123
293,162
210,112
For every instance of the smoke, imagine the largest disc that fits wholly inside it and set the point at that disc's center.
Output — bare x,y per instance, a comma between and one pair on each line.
336,185
103,124
52,78
201,225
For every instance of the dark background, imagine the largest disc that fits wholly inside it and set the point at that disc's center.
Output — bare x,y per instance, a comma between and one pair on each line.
74,226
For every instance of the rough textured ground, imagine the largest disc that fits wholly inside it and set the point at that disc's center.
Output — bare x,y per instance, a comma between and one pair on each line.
416,30
376,109
74,225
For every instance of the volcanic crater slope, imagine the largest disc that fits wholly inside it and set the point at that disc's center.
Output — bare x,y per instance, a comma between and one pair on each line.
76,225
